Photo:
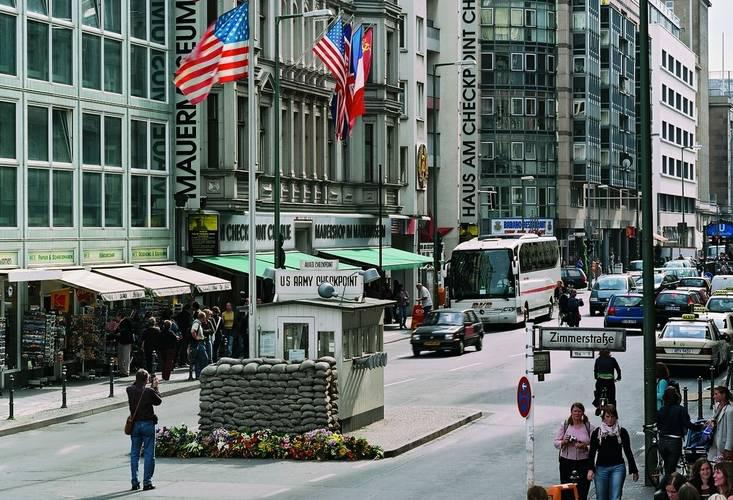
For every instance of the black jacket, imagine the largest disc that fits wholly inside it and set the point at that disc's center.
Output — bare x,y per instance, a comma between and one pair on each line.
150,397
126,332
673,420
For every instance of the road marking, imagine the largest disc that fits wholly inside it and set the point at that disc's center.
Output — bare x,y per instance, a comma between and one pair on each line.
68,449
321,478
517,355
276,492
464,366
400,382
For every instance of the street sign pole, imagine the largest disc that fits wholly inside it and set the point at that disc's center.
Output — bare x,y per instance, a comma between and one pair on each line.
529,421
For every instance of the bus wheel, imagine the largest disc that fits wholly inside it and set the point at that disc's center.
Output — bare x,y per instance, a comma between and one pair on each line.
550,310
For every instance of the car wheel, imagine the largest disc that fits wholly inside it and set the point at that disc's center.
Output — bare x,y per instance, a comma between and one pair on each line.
415,351
592,312
460,348
480,343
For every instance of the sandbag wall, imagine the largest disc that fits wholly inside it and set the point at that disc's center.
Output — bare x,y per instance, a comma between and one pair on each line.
267,393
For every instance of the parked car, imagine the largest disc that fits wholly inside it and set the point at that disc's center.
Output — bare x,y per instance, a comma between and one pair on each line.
676,263
721,281
700,284
605,287
662,281
448,330
624,310
683,272
692,341
674,303
574,277
635,268
720,309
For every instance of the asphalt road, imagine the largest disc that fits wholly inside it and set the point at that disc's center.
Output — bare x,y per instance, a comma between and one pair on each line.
88,458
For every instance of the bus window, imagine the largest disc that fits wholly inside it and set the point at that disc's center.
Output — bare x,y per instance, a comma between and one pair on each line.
479,274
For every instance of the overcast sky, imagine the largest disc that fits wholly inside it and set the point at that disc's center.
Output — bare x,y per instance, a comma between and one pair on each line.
721,19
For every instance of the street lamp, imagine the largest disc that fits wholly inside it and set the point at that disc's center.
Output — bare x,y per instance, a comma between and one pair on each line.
694,149
523,179
314,14
436,241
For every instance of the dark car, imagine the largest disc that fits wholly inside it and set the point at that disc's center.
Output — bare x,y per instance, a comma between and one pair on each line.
702,285
607,286
448,330
662,281
624,310
675,303
574,277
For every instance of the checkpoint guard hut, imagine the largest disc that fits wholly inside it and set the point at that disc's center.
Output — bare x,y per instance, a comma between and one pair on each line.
311,318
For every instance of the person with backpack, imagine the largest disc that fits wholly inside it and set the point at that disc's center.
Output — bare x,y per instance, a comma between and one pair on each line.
573,309
673,420
573,441
604,370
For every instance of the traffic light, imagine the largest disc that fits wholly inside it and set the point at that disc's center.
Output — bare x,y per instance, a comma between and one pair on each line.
279,254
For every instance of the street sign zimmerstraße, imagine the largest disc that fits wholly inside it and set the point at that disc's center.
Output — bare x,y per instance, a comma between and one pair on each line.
582,339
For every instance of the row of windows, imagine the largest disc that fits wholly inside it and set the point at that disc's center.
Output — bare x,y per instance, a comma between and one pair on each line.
678,69
506,17
516,62
51,196
678,168
677,135
672,203
537,256
526,150
50,138
677,101
517,106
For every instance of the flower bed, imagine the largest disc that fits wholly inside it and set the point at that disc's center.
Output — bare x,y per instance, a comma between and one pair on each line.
320,444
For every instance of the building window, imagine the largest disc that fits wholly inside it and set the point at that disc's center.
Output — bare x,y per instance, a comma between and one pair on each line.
92,67
487,150
7,130
664,164
517,62
91,152
149,146
517,17
56,194
517,106
49,55
403,97
369,174
531,192
403,34
149,26
530,62
112,200
530,18
7,44
517,150
420,34
38,197
487,61
138,201
516,195
530,151
487,106
664,58
421,100
91,192
8,197
60,134
531,106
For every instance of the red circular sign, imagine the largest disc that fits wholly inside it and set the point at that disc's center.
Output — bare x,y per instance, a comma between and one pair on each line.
524,397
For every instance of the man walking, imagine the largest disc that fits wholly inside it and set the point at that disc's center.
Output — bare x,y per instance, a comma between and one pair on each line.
141,400
125,338
426,300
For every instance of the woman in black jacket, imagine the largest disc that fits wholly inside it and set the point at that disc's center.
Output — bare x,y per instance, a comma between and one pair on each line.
673,420
608,444
151,339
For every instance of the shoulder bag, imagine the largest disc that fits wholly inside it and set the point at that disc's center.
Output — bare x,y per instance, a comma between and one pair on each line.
131,419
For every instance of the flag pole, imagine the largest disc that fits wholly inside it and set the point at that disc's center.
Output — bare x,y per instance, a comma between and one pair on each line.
252,178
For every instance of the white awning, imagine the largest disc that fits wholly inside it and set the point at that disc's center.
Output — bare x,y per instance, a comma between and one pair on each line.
108,288
18,275
204,283
159,286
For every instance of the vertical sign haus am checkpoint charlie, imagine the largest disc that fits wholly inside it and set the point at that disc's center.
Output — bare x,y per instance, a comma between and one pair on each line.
469,76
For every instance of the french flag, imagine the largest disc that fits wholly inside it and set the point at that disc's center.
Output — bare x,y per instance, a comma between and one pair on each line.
361,63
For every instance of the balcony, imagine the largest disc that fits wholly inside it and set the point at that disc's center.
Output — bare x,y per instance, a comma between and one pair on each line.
433,38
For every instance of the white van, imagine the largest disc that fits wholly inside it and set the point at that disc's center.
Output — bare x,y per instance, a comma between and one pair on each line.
720,282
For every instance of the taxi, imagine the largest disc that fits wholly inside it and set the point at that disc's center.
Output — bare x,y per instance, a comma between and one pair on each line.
719,308
692,340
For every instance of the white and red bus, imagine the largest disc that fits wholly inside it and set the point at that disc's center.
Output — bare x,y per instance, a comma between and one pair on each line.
502,277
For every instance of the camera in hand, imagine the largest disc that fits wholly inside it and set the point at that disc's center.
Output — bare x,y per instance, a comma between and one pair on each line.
572,439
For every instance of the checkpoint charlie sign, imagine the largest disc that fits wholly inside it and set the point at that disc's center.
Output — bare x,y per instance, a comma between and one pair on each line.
299,284
585,339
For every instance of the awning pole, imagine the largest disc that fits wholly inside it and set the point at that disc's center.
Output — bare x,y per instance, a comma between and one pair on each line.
252,178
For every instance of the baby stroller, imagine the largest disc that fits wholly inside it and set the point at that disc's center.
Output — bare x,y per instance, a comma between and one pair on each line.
695,446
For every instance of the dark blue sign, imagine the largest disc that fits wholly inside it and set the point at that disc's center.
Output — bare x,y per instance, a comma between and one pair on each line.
724,229
524,397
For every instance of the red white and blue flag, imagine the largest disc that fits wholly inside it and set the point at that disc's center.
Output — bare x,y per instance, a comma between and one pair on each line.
334,49
361,63
222,55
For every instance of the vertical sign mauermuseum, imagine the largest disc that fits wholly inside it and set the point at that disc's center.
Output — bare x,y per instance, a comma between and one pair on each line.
187,131
468,216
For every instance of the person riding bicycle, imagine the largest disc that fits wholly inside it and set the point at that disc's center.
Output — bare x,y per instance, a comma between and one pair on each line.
573,309
604,369
673,420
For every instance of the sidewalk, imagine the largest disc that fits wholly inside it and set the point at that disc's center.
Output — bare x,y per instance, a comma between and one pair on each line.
35,408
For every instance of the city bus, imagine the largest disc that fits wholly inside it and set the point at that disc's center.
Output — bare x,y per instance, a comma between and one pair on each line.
501,278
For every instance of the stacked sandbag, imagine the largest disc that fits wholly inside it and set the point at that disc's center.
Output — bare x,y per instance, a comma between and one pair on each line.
267,393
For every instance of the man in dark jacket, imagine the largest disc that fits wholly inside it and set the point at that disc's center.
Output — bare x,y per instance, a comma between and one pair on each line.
151,338
141,400
125,339
184,319
241,337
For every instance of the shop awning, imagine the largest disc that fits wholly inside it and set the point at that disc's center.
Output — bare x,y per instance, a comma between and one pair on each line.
204,283
392,258
19,275
108,288
240,263
159,286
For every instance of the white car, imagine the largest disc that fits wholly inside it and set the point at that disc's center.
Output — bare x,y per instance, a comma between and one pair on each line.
720,309
721,281
694,341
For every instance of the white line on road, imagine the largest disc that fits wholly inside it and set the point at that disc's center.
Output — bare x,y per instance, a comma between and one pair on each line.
464,366
276,492
517,355
400,382
321,478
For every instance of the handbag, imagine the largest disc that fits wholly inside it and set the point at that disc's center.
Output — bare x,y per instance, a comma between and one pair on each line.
130,422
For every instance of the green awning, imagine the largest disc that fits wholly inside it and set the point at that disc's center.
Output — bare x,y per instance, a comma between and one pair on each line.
240,263
392,258
292,259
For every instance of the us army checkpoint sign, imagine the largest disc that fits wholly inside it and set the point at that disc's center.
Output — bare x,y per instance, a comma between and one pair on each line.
582,339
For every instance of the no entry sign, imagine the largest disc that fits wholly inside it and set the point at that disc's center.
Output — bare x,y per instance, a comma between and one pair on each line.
524,397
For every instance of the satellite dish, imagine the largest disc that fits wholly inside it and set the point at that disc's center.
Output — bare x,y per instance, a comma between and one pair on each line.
326,290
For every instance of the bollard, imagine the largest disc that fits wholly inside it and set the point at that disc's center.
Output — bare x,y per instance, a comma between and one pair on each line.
712,386
699,398
12,397
111,380
684,397
63,387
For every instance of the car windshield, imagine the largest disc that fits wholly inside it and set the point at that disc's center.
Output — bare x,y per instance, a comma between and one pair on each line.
444,318
696,282
626,301
672,298
685,272
657,280
678,331
720,304
635,265
610,284
676,263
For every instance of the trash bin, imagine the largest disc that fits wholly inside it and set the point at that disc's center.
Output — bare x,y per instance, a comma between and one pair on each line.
418,315
563,491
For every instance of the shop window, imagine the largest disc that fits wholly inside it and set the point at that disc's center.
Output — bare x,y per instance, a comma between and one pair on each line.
7,130
326,344
8,197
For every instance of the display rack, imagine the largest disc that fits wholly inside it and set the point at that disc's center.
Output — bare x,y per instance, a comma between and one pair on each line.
38,338
2,341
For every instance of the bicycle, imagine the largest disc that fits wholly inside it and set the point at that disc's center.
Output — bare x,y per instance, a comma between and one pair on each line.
653,461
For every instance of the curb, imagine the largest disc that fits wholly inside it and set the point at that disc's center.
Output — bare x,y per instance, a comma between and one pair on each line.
39,424
398,340
432,436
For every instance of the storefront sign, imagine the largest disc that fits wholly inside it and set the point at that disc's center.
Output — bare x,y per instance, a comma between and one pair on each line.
234,233
514,226
319,265
203,234
291,284
103,256
50,258
60,300
469,99
8,258
340,232
149,254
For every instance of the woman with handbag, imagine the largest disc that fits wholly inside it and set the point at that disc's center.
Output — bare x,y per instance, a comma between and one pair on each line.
721,447
573,441
141,426
608,445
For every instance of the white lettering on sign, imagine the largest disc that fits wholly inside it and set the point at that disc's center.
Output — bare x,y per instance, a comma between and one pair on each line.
588,339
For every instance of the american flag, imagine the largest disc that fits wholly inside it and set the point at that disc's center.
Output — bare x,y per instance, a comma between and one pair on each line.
334,49
222,55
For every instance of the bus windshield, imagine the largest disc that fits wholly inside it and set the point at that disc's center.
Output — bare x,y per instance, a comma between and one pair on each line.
477,274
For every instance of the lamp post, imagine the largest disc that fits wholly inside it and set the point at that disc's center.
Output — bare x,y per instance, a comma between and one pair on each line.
522,180
694,149
315,14
436,236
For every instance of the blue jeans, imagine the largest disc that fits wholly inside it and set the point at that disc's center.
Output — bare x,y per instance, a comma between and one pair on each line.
402,314
200,357
207,345
143,436
610,481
